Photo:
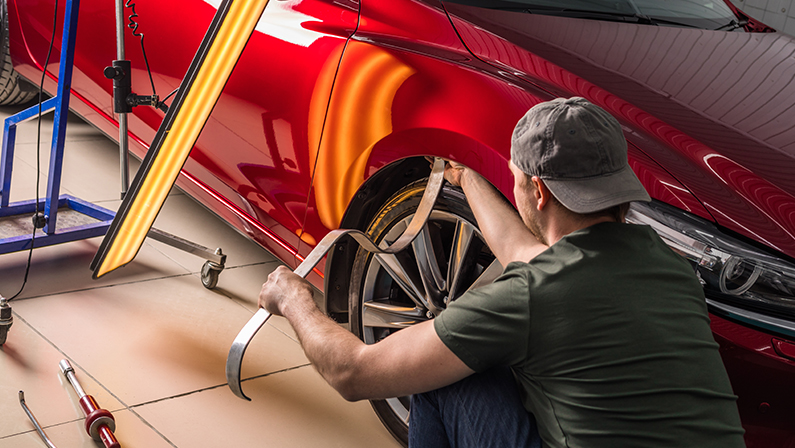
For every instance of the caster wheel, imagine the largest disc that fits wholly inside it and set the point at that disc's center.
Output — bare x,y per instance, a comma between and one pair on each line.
209,274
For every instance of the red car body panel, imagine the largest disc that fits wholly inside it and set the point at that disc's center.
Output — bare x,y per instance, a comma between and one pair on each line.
762,379
716,122
330,93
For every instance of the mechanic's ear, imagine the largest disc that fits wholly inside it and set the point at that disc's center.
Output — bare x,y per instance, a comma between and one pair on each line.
541,193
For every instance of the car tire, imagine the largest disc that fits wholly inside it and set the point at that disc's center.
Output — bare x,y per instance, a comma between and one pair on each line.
13,89
379,305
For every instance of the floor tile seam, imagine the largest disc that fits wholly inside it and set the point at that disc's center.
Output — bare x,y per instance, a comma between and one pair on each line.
217,386
48,142
257,263
45,427
64,190
107,200
117,398
75,363
240,304
289,369
171,259
248,265
199,271
104,286
32,167
189,273
96,137
146,422
77,420
72,192
284,333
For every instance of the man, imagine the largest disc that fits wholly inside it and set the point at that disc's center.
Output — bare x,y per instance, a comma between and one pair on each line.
604,328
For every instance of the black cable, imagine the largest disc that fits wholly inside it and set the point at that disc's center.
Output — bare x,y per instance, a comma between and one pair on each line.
38,153
134,26
170,95
162,103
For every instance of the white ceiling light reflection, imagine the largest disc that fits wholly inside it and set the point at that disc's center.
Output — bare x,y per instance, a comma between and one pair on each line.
281,21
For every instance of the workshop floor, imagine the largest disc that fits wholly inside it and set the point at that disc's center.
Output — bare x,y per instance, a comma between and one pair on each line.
149,342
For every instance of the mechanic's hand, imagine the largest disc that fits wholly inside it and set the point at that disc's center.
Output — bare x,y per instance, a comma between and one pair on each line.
454,172
283,286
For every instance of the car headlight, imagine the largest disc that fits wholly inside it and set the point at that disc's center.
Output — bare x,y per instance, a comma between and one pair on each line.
740,281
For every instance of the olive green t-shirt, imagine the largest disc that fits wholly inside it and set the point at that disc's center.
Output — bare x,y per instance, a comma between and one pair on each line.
608,336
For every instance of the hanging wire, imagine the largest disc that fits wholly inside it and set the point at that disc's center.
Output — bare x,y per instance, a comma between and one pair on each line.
133,25
170,95
38,152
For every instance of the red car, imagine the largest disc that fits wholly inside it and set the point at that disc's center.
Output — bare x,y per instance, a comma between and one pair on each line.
334,105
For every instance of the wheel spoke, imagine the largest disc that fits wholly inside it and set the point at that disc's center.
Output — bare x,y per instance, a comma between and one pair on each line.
428,265
394,268
401,411
426,258
493,271
462,241
376,314
410,287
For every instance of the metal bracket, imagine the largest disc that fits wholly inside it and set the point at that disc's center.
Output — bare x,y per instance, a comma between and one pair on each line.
234,360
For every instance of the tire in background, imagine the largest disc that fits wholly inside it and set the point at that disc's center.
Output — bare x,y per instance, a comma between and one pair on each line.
13,89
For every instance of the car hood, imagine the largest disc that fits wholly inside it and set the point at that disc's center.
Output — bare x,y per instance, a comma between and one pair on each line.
715,109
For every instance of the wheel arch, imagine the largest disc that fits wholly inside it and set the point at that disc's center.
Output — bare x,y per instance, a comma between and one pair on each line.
385,175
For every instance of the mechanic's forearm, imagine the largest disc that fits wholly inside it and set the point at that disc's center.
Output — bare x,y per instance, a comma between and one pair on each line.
392,367
502,227
330,348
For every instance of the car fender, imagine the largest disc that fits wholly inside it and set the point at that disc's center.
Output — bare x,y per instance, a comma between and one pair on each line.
394,162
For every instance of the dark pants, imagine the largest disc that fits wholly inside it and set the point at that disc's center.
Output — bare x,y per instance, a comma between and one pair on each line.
481,411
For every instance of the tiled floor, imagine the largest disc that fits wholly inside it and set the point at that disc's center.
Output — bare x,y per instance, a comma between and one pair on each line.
149,342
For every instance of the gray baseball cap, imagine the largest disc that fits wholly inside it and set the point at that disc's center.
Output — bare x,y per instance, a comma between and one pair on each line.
579,151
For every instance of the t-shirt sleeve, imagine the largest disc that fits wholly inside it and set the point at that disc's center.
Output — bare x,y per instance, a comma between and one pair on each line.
488,326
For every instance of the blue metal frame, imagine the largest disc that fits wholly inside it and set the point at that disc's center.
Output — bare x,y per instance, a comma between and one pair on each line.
9,141
53,200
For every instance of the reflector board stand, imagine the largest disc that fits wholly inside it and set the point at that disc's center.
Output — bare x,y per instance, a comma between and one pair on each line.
84,219
229,32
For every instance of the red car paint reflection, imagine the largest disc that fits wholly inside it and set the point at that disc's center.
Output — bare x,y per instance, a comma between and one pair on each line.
334,105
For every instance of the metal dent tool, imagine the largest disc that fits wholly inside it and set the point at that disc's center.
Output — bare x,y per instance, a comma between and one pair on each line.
35,422
100,423
234,360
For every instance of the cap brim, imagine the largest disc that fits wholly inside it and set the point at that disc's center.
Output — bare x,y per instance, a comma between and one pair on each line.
598,193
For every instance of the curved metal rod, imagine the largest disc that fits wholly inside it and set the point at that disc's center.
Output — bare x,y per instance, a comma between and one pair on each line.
35,422
234,360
